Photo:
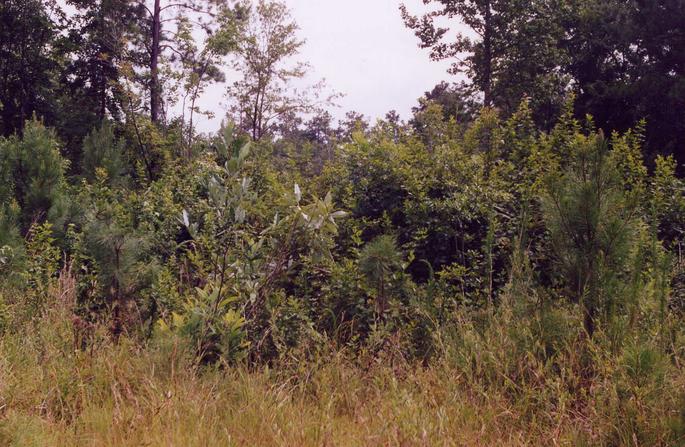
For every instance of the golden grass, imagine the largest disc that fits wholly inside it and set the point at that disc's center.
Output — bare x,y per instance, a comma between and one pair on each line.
127,395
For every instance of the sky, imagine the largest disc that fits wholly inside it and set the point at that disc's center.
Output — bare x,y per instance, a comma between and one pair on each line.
363,50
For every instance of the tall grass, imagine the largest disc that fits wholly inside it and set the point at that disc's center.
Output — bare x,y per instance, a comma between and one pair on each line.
498,381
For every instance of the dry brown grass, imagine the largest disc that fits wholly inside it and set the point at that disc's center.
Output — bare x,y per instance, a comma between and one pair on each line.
127,395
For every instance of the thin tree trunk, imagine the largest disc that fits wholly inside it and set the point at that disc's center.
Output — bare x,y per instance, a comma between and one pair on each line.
381,297
192,105
487,56
589,318
155,94
102,93
255,119
117,323
22,98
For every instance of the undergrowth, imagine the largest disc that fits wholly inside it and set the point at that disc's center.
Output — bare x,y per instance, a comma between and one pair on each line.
488,386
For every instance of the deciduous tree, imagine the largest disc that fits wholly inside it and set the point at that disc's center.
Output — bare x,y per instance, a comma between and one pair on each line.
265,92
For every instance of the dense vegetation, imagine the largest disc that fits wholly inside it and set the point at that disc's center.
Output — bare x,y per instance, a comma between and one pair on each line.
501,269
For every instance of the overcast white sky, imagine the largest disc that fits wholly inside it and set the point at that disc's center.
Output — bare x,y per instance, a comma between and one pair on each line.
363,50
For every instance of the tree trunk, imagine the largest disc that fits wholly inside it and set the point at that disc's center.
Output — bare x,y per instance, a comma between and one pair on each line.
102,89
196,93
382,305
155,94
589,319
487,55
255,118
116,327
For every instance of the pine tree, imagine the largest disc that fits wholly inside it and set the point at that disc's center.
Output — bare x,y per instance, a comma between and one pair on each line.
10,240
377,261
38,170
100,35
118,253
101,150
592,224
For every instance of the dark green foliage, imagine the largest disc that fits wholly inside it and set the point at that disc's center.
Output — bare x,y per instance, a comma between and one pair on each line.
119,257
623,59
378,261
9,209
27,63
516,52
99,43
102,150
628,60
101,31
593,227
38,173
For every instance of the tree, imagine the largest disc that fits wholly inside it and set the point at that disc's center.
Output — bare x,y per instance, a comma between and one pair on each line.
456,100
264,94
101,150
96,48
660,86
483,17
592,224
378,260
429,123
27,64
628,63
311,143
38,172
515,52
353,122
118,252
100,35
200,64
159,40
